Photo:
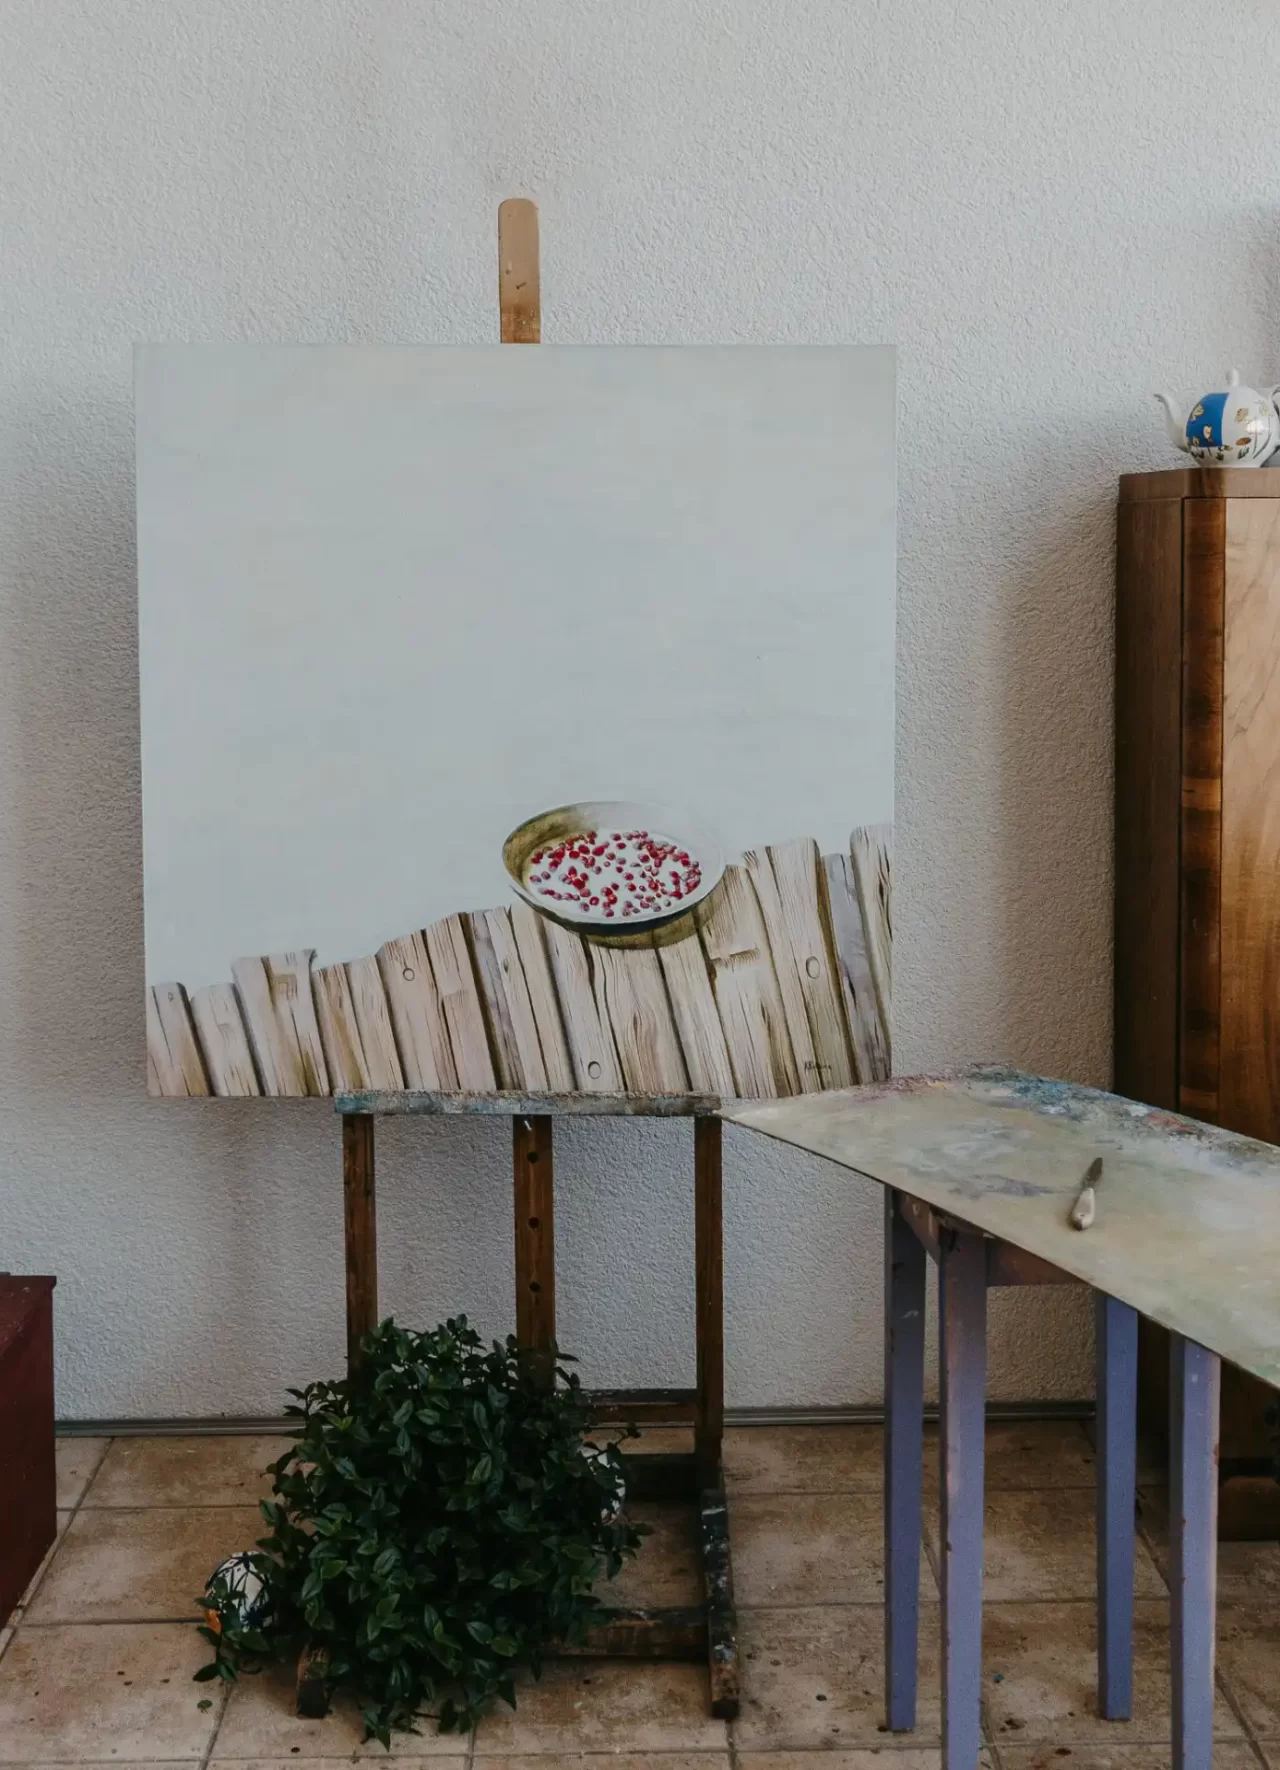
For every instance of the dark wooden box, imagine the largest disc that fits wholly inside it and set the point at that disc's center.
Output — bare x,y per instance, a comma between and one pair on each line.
28,1483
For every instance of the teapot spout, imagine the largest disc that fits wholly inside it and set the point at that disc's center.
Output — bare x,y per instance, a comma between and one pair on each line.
1173,424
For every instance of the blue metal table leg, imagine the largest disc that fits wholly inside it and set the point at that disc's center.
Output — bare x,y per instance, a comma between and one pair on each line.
904,1287
1193,1524
1117,1386
962,1322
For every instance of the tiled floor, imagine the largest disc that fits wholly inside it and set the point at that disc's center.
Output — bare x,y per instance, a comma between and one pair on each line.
97,1667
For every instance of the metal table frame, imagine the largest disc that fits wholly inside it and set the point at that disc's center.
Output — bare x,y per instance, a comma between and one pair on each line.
705,1632
969,1262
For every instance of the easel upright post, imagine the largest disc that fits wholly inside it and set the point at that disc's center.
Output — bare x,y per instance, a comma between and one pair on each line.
519,278
360,1209
520,316
535,1241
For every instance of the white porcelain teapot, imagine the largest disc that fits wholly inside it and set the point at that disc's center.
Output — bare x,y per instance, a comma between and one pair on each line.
1238,428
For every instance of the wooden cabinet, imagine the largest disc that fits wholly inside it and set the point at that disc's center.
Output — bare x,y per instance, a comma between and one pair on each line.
1197,929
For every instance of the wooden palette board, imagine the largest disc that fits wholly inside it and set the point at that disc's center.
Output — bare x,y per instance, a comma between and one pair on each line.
1188,1223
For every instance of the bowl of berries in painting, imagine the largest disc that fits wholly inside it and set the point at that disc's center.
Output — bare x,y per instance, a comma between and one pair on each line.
611,865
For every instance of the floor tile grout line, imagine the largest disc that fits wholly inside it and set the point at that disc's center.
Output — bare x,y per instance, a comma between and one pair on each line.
87,1489
176,1506
42,1573
217,1725
872,1493
1223,1685
121,1622
739,1494
988,1732
757,1608
1151,1547
752,1607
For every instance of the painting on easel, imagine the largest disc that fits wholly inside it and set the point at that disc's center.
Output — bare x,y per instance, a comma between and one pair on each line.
516,720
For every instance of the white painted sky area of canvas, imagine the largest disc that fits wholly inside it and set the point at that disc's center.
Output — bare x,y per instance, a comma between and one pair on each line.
394,600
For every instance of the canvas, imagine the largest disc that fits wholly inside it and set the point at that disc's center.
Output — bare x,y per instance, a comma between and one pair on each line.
516,718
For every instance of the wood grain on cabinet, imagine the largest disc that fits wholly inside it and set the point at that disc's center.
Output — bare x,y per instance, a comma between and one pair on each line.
1249,1080
1197,924
1203,570
1148,792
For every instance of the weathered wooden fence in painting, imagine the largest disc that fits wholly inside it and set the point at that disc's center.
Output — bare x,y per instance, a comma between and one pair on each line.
782,988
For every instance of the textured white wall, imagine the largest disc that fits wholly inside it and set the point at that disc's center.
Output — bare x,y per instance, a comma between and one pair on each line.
1049,210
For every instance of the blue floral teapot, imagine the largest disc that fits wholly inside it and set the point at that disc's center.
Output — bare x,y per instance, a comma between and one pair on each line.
1238,428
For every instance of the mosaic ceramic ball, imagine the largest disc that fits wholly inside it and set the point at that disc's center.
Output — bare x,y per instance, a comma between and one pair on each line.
235,1592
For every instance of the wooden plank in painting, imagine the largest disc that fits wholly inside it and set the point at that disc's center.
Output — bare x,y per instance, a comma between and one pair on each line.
339,1029
871,850
224,1041
174,1065
693,1003
746,991
493,995
275,993
421,1037
1249,1070
595,1060
631,998
867,1030
792,896
531,950
460,1004
373,1022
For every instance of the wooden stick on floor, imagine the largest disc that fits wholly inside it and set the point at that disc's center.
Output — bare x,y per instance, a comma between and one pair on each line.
361,1230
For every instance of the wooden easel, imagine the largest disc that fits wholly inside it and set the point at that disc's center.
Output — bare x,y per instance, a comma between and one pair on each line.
709,1629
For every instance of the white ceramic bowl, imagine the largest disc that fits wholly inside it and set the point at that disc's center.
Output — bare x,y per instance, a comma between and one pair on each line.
549,827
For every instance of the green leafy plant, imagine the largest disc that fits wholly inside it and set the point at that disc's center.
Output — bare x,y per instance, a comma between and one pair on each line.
435,1526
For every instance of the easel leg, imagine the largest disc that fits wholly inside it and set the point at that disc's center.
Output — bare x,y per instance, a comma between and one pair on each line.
361,1223
904,1288
1194,1377
1116,1338
709,1308
962,1323
535,1224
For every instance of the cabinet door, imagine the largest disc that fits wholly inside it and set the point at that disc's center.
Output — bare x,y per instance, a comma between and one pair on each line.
1148,797
1204,528
1249,1051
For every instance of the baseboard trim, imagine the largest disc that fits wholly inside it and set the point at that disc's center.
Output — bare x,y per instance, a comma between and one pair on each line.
239,1426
